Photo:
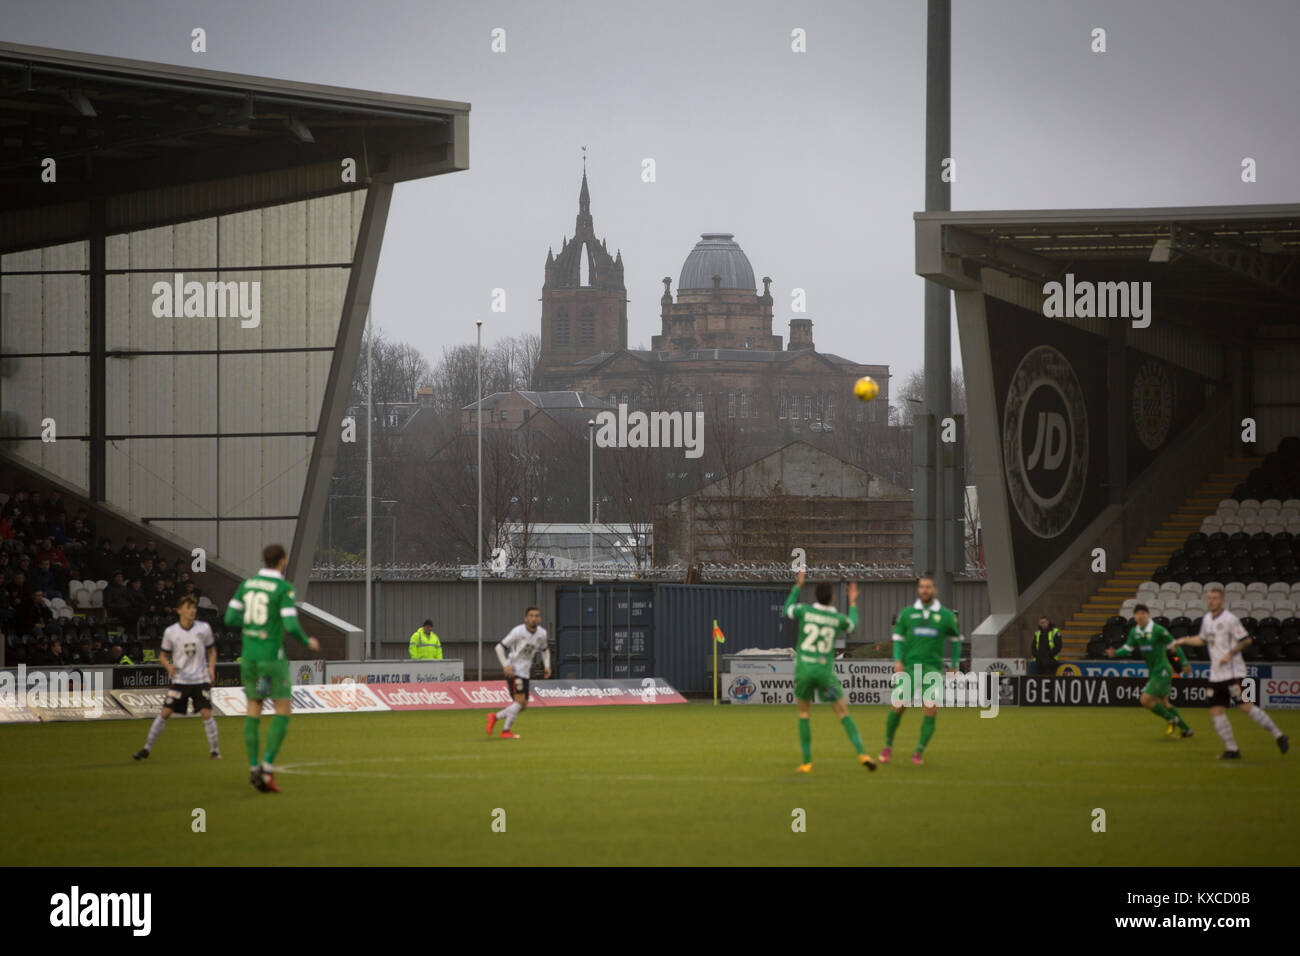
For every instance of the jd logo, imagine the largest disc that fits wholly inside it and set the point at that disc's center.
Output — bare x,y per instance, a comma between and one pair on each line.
1051,436
1045,441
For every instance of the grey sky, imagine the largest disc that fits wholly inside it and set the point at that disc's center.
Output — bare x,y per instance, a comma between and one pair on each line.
812,160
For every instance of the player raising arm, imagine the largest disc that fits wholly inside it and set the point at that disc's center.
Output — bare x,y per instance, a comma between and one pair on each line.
1151,640
264,608
1223,633
515,652
816,627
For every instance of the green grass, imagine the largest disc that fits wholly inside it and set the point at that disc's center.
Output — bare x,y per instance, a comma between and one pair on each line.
687,784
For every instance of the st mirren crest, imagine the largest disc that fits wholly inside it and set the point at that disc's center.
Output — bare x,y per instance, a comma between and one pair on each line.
1153,403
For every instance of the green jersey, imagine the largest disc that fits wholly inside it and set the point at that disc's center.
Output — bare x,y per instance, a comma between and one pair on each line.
263,607
816,628
1152,644
920,632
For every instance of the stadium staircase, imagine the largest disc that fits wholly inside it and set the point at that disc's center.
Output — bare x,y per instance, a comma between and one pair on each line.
1139,566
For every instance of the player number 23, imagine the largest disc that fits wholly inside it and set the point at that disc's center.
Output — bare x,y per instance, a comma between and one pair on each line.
255,609
817,639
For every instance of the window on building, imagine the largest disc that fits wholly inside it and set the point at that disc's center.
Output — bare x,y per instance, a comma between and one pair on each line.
626,399
587,328
818,407
613,398
807,407
744,404
781,405
699,401
562,328
862,408
830,409
731,404
504,417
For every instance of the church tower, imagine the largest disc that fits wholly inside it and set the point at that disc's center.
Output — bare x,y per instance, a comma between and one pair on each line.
584,301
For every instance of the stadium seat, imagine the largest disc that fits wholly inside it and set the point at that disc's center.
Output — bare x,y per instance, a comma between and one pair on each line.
1271,503
1191,588
1252,528
1213,584
1096,647
1170,588
1180,626
1257,587
1126,609
1230,528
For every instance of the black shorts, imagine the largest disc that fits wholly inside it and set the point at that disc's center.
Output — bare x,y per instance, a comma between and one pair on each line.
179,697
518,685
1225,693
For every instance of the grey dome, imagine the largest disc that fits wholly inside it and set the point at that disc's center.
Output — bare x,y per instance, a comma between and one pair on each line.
717,253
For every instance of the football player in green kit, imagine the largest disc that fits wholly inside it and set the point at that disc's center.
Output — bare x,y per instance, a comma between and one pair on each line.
1151,640
263,607
816,628
919,635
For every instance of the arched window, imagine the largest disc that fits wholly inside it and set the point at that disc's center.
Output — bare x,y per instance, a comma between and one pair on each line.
587,328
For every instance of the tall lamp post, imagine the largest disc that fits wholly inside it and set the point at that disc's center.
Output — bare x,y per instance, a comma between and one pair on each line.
478,420
591,500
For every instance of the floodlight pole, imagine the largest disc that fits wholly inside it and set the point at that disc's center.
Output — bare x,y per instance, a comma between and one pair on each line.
478,420
591,500
938,339
370,422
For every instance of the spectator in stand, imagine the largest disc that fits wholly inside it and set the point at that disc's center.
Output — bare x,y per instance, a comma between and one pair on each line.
103,561
27,610
57,652
53,553
128,559
151,551
41,656
6,612
6,529
139,603
18,504
117,596
43,578
78,652
59,529
118,656
99,653
147,572
6,569
160,598
84,517
78,536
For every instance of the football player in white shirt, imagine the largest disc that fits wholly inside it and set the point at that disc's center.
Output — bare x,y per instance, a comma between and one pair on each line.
515,652
1224,635
189,654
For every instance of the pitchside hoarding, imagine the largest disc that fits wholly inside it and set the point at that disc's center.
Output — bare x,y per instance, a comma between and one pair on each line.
393,672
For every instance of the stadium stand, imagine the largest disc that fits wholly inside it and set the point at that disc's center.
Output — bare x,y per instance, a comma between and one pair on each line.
68,595
1249,545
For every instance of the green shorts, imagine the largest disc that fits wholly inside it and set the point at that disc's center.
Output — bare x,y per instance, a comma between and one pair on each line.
263,679
918,685
823,682
1159,685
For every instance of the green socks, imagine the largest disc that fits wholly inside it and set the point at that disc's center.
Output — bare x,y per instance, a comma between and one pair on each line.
250,738
892,720
1175,716
1159,710
927,731
275,736
851,729
805,738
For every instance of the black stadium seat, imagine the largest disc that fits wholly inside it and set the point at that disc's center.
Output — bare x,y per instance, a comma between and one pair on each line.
1180,626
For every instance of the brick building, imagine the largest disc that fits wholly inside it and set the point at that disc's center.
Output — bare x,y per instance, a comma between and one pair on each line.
716,351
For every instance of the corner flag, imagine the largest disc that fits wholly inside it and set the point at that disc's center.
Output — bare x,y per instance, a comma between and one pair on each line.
717,634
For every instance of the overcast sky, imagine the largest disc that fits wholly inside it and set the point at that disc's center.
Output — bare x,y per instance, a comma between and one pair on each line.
812,160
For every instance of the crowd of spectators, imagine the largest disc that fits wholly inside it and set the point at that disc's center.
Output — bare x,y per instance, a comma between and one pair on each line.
55,574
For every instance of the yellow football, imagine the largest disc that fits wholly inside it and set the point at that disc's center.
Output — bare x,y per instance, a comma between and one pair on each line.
866,388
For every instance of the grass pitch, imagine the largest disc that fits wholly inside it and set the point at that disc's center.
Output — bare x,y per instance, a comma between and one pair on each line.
686,784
